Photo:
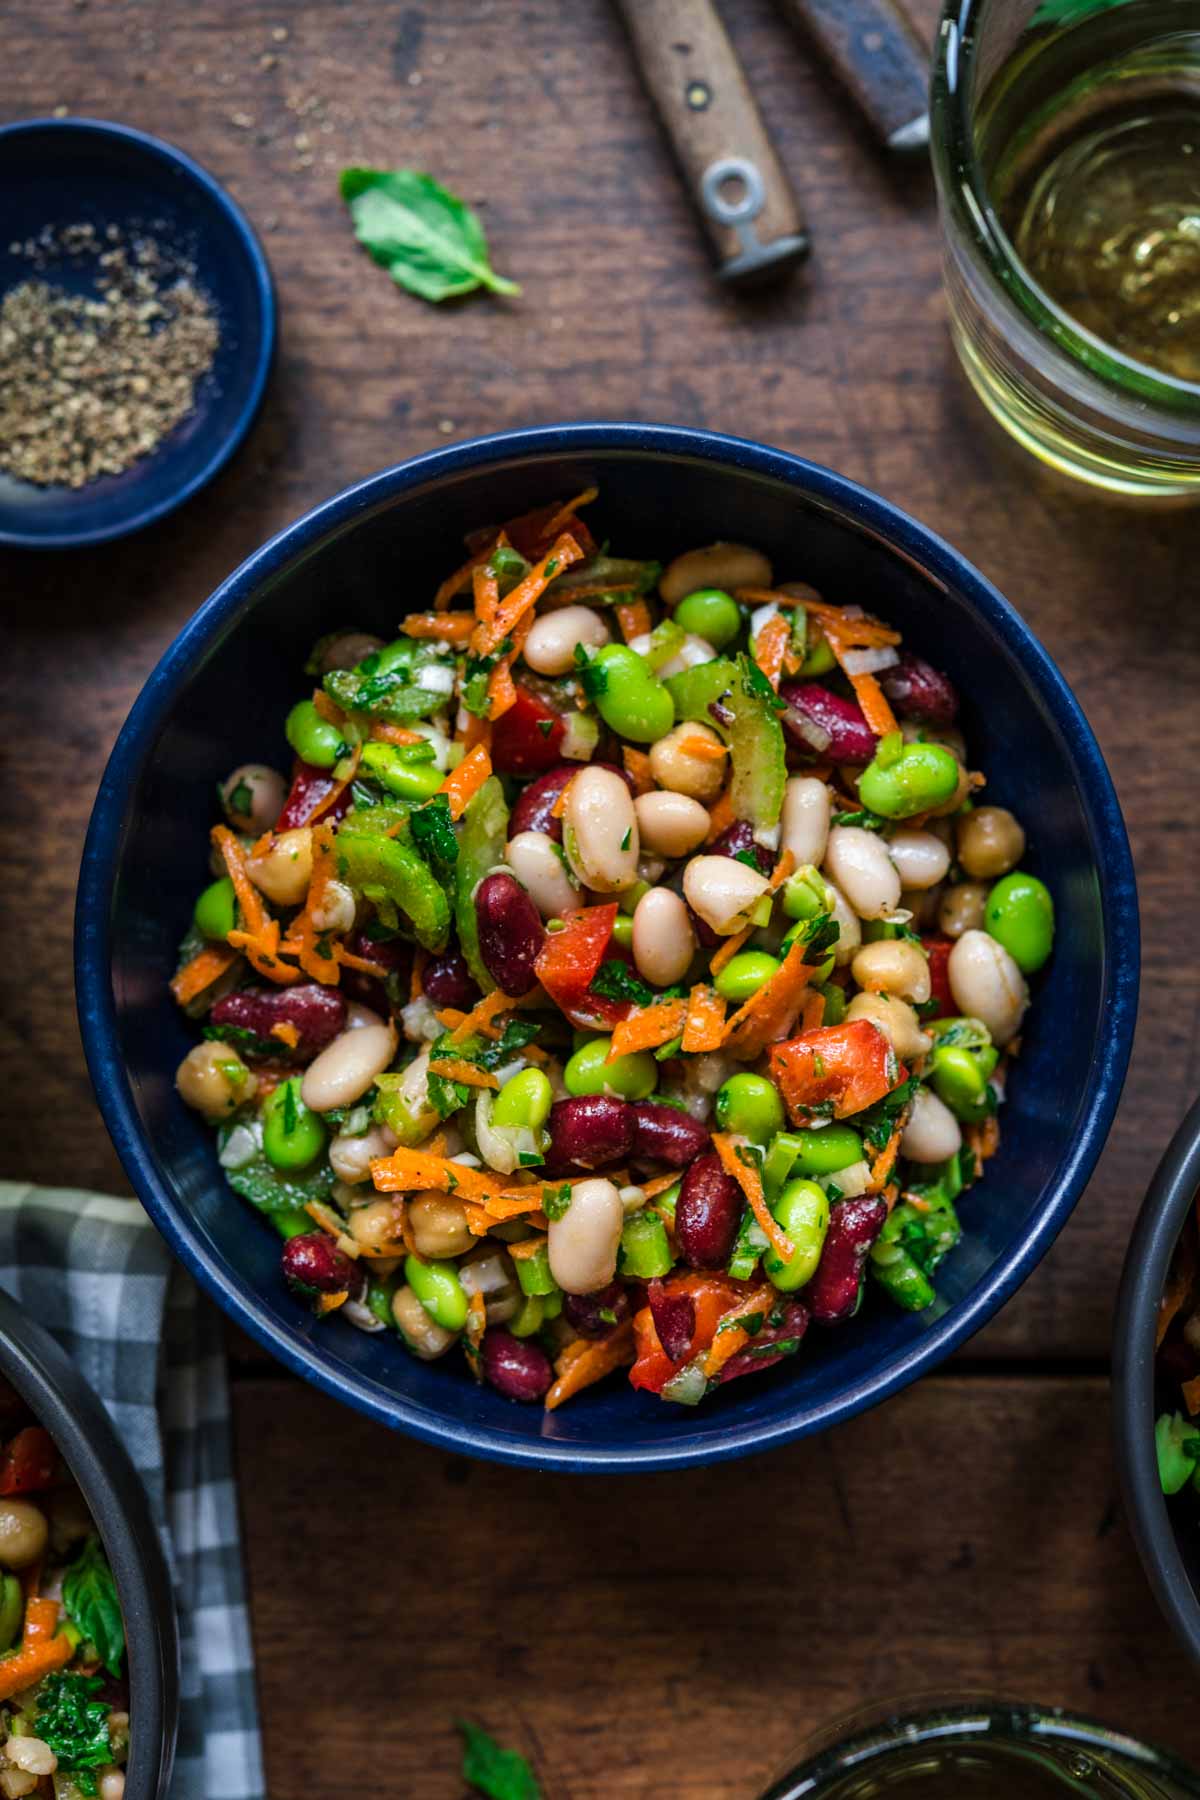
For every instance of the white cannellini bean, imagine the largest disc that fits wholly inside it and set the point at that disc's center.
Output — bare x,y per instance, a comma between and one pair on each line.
673,767
719,565
987,984
534,859
669,824
896,1019
932,1133
284,870
350,1157
893,966
550,646
421,1332
663,940
722,891
582,1245
600,831
858,862
921,858
345,1069
807,804
849,929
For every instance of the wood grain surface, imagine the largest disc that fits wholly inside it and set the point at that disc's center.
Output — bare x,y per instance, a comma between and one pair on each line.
584,1616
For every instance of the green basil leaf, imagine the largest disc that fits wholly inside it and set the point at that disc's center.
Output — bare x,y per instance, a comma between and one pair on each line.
428,240
89,1593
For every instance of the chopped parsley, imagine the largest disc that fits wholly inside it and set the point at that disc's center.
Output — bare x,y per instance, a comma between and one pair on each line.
75,1726
247,1042
866,821
433,833
500,1774
545,726
879,1121
556,1201
627,839
593,676
241,800
615,980
748,857
291,1114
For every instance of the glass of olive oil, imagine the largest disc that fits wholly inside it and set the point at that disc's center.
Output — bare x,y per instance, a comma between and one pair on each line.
980,1750
1066,146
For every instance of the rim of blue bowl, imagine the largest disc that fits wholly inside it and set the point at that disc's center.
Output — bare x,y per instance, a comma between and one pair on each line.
101,857
1168,1201
236,436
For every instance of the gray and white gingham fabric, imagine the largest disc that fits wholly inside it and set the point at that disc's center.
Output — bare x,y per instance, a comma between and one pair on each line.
95,1272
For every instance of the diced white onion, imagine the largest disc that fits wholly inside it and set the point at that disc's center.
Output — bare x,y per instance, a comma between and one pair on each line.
241,1146
581,734
869,662
814,735
852,1181
436,678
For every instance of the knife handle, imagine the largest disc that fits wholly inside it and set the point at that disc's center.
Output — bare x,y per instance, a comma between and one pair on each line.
873,49
691,72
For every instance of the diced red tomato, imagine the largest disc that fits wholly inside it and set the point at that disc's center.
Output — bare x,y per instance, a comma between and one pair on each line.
571,957
711,1296
938,949
528,737
529,535
29,1462
853,1065
310,787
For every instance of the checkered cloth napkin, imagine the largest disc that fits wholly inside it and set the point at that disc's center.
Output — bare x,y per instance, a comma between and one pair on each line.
95,1272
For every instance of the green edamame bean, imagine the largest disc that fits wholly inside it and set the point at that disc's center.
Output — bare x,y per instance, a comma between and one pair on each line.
407,780
529,1318
290,1221
379,1299
959,1077
803,1211
1175,1465
920,776
1020,915
292,1134
826,1151
645,1251
439,1290
623,929
524,1101
632,1077
819,659
633,703
749,1105
533,1272
215,913
745,973
712,614
313,738
12,1608
805,894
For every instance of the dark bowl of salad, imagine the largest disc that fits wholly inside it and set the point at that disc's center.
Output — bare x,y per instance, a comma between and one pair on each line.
1156,1383
89,1652
566,947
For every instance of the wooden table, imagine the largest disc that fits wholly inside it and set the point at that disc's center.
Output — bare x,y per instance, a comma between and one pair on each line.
675,1634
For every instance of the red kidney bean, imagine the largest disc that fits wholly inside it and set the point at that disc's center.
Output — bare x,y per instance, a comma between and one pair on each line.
310,788
664,1134
391,954
789,1332
447,981
511,933
516,1367
318,1014
585,1311
588,1133
534,810
920,691
707,1214
851,739
674,1318
738,837
519,745
312,1264
833,1292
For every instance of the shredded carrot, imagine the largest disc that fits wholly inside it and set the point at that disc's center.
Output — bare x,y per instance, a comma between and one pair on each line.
704,1023
207,966
589,1360
770,1013
416,979
858,631
286,1032
720,816
475,731
486,594
327,708
729,1337
475,1327
453,1068
704,749
812,1012
259,934
489,634
327,1303
526,1248
445,628
659,1185
984,1137
41,1619
647,1028
502,690
560,805
405,1170
867,691
32,1662
461,578
633,616
770,646
885,1162
481,1015
637,767
747,1177
466,780
304,941
362,964
383,733
332,1223
555,523
1191,1399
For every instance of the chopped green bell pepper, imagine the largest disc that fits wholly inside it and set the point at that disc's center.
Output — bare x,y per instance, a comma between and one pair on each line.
389,872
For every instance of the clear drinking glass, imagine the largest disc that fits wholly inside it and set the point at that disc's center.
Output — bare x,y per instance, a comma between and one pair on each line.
1023,86
978,1749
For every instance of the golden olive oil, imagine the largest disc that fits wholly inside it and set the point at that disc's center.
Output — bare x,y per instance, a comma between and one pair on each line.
991,1769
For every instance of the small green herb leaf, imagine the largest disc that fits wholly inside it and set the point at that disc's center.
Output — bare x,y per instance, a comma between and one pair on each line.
489,1769
75,1726
90,1599
428,240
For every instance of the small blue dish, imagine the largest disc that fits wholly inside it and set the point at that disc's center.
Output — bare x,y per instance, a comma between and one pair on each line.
61,172
218,697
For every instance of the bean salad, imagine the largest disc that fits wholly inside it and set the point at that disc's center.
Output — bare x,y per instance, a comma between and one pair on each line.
1177,1428
628,973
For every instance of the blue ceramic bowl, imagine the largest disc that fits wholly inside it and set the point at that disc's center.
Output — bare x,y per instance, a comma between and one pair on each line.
66,171
219,696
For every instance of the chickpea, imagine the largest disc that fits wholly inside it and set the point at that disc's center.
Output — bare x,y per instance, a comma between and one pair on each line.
722,891
699,777
424,1336
896,1019
893,966
253,798
534,859
550,646
284,869
990,842
112,1784
32,1755
14,1783
376,1223
335,911
962,908
932,1133
214,1080
23,1533
663,940
670,825
720,565
439,1225
923,904
345,649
